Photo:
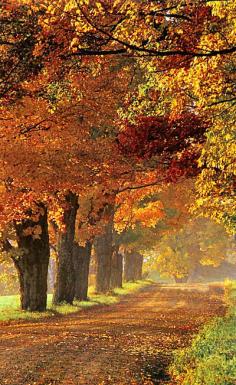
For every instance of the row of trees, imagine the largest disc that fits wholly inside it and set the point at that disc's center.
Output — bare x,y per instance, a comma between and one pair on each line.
28,245
101,103
152,223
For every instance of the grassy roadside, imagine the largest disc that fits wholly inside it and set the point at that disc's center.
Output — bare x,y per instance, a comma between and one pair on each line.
9,305
211,358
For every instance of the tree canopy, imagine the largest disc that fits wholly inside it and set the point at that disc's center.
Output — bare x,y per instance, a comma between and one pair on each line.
112,103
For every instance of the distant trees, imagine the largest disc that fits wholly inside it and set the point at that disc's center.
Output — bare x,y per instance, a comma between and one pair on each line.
199,242
133,263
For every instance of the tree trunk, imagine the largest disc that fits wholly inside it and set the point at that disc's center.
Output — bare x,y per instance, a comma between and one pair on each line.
133,266
81,257
32,264
51,274
129,267
138,266
116,269
65,278
103,254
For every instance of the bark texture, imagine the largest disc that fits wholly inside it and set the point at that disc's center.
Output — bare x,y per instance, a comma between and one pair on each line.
103,253
32,264
81,258
116,269
65,277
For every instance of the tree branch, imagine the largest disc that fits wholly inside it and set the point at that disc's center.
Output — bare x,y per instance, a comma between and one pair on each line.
130,188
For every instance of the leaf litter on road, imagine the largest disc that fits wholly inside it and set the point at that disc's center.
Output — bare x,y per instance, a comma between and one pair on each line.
129,343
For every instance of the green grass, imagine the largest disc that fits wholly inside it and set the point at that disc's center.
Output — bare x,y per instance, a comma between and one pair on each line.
10,304
211,359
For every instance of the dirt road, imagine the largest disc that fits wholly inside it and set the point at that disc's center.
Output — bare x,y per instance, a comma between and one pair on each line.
123,344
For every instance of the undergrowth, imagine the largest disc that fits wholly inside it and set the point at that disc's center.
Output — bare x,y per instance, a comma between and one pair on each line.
211,358
10,305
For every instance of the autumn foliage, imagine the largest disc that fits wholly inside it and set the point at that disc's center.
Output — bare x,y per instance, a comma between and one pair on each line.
109,102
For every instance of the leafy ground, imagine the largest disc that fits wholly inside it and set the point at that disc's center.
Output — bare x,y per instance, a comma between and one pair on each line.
130,342
9,305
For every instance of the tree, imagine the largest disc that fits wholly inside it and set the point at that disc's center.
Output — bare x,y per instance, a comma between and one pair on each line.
103,247
18,39
199,242
81,258
58,136
148,28
136,211
133,263
39,167
31,257
216,184
203,85
64,290
8,275
116,267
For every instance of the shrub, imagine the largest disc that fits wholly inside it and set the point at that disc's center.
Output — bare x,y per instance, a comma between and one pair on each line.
211,358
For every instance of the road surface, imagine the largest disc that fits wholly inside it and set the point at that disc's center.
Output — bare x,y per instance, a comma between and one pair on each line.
127,343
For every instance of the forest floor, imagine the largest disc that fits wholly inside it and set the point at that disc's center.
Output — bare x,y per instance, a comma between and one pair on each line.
126,343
